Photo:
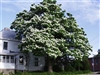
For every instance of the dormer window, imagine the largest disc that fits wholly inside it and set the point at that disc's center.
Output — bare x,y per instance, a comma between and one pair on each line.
5,45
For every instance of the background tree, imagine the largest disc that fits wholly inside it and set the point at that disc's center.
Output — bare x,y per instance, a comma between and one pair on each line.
49,32
85,64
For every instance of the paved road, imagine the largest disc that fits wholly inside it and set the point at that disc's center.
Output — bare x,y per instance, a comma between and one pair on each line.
95,73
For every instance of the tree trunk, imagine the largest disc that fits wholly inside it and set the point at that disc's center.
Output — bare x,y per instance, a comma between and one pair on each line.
79,68
62,67
50,69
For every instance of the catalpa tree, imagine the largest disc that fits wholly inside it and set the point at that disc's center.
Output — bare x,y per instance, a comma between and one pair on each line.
51,32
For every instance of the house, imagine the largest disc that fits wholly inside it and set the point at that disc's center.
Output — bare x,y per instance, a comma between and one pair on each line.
95,62
11,59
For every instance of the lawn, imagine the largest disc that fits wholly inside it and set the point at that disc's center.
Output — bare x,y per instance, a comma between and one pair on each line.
54,73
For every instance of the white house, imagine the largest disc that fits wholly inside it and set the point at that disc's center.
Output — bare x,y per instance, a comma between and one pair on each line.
11,59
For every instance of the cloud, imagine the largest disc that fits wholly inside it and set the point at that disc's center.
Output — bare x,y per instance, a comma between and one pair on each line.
87,10
22,5
8,10
21,0
17,5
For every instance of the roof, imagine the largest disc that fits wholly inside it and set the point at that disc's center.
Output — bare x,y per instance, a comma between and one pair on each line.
7,34
12,54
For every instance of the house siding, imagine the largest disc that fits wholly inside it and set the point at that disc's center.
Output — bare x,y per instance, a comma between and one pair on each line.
13,50
32,67
12,46
96,65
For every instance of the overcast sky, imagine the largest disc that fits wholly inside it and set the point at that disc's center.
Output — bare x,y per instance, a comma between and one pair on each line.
86,13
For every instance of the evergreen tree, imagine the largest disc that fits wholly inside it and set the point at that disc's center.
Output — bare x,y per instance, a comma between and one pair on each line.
48,31
85,64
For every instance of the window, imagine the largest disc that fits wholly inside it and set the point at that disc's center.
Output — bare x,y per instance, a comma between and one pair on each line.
21,60
36,61
12,59
0,58
3,58
7,59
5,45
97,61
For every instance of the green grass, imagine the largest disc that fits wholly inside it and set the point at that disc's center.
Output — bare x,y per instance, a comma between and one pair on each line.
45,73
54,73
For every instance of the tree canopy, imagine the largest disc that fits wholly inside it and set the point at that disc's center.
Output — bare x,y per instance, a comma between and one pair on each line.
50,31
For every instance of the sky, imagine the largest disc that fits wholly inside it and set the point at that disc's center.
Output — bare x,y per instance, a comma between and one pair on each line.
86,13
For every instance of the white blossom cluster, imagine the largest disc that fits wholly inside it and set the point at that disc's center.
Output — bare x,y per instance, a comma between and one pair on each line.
48,31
